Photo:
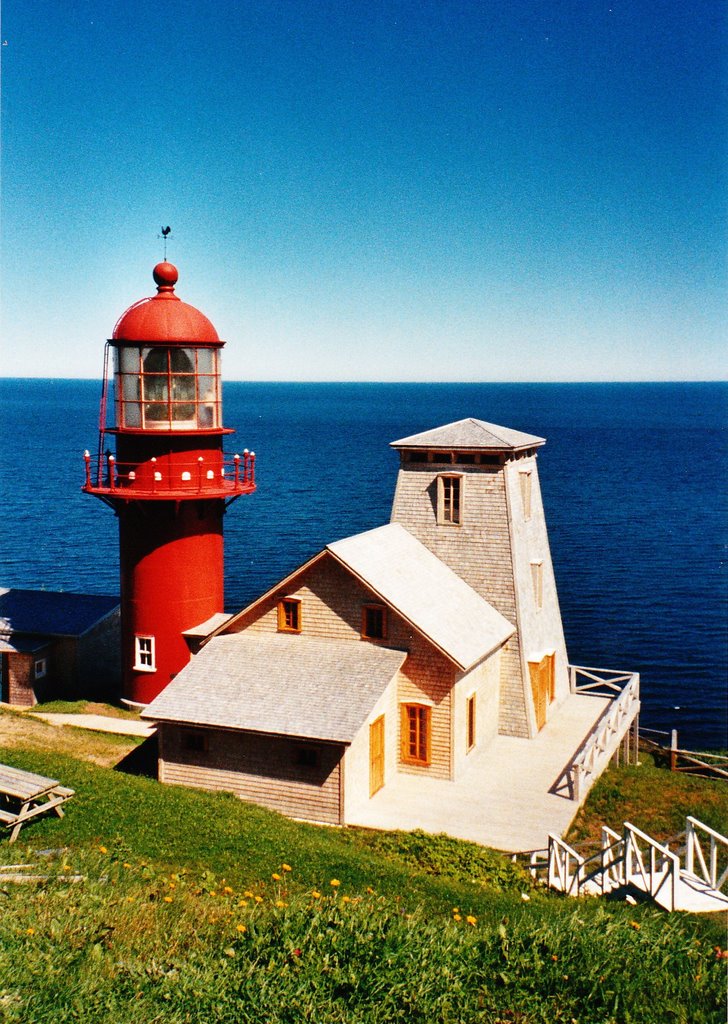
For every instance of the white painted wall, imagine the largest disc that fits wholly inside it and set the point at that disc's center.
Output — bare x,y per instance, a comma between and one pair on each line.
540,628
484,681
356,758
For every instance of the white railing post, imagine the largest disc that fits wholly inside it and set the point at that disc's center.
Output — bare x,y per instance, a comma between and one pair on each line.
689,846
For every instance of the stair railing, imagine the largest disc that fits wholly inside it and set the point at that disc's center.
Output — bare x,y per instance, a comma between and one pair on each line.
695,854
658,875
564,867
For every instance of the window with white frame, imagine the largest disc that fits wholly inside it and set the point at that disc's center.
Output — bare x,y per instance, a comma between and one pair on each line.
40,669
144,654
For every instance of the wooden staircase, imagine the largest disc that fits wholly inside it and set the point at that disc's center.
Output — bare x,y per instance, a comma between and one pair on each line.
635,866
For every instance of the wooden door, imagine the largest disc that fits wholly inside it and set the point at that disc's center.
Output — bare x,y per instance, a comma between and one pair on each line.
376,755
542,687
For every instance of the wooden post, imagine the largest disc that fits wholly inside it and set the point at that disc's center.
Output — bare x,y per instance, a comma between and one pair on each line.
673,750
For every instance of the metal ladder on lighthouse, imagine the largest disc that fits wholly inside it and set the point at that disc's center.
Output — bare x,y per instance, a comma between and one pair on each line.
634,865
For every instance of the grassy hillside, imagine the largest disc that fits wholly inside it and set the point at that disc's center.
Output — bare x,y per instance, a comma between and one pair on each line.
196,907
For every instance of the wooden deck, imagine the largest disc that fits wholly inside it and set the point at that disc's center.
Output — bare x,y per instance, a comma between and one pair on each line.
511,796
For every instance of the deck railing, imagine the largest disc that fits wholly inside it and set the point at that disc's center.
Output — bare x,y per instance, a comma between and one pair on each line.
623,689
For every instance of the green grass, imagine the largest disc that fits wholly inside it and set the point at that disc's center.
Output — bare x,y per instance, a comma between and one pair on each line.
179,918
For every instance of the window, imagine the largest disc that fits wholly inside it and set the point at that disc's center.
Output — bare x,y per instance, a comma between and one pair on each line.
525,478
374,622
537,582
289,615
416,734
144,654
40,668
167,388
470,720
194,741
449,500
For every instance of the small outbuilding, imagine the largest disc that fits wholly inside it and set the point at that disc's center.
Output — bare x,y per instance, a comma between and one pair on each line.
57,645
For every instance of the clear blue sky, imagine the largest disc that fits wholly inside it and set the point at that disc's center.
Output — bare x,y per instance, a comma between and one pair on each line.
375,190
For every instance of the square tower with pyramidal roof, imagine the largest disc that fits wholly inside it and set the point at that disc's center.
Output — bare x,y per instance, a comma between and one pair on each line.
469,492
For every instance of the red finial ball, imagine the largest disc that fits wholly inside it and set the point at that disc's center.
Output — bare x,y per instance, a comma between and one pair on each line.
165,275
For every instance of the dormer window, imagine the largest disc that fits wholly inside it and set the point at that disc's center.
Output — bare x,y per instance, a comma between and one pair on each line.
167,388
289,615
449,500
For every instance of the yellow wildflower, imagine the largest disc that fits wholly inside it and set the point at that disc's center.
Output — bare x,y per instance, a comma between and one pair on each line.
456,910
280,903
30,931
102,849
457,917
227,889
345,899
167,899
316,894
335,883
127,864
213,892
370,890
635,924
67,867
241,928
242,903
258,899
471,919
276,877
248,894
286,867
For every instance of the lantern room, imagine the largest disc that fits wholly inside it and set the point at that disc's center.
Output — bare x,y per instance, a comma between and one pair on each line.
166,364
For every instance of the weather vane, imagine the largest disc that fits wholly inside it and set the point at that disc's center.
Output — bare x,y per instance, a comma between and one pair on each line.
165,235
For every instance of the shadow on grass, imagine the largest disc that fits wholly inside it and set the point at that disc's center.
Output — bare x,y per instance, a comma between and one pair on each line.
142,760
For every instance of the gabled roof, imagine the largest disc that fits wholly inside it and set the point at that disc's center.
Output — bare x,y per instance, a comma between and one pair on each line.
52,613
283,685
427,593
472,435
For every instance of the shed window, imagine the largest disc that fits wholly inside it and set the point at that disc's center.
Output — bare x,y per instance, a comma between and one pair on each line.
449,500
416,733
40,669
144,654
195,741
374,622
289,615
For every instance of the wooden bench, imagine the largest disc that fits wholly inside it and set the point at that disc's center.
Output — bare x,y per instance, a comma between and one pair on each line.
25,795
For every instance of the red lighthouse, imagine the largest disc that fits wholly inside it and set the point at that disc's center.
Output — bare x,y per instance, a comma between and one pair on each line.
169,482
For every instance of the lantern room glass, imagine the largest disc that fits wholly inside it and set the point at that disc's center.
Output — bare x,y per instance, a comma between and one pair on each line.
167,388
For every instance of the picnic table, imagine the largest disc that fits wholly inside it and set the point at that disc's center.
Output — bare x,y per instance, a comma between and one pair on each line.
24,795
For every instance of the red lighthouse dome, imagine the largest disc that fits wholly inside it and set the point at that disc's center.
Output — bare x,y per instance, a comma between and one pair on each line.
164,317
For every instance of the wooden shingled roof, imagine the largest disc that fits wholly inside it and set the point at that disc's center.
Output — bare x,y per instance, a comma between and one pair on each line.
283,685
427,593
471,435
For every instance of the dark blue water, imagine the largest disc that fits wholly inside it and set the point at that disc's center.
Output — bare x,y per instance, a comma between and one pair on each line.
633,478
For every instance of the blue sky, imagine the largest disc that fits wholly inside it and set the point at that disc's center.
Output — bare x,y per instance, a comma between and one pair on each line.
371,191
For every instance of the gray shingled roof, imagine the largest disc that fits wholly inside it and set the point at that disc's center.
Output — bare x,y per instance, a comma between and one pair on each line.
285,685
434,599
52,613
471,434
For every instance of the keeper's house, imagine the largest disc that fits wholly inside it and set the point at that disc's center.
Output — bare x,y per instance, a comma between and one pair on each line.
57,645
408,676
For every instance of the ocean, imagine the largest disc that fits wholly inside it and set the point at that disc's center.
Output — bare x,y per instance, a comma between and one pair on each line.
633,480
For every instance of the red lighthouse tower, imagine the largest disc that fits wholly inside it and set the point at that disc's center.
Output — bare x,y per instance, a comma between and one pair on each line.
169,482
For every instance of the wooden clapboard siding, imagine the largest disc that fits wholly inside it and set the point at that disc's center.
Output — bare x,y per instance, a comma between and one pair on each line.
478,550
262,769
